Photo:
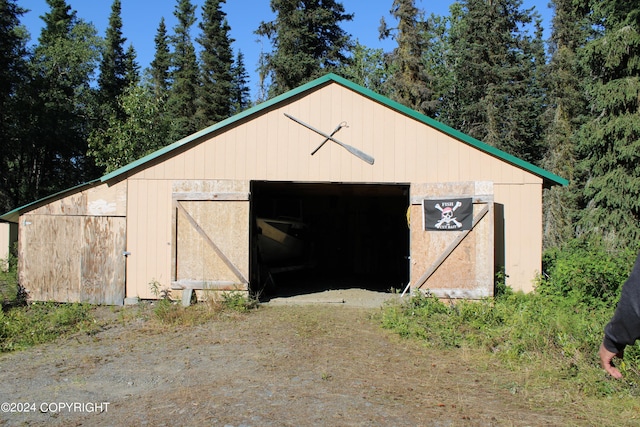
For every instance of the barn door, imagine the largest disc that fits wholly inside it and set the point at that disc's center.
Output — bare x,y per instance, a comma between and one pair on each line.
452,239
211,241
102,263
73,258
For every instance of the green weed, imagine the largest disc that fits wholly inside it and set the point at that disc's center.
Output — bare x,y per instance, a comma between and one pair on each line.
38,323
173,313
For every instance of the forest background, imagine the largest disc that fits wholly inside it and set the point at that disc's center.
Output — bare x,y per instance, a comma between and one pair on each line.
75,104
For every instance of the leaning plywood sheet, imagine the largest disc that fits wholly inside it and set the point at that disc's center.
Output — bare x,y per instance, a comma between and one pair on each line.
453,263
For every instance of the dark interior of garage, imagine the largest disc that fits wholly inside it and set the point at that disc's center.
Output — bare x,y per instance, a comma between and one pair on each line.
313,237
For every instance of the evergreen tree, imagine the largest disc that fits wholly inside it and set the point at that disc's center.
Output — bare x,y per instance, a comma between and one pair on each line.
55,139
367,68
437,57
161,63
13,57
307,42
184,73
216,62
410,83
565,82
609,143
240,94
131,67
113,79
495,93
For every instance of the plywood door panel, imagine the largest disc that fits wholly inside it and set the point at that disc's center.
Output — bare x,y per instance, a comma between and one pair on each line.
103,261
49,252
73,258
212,242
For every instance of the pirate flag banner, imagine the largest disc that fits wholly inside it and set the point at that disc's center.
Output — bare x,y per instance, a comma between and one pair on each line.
448,214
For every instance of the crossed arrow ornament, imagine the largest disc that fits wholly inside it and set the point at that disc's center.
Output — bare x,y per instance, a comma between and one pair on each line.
367,158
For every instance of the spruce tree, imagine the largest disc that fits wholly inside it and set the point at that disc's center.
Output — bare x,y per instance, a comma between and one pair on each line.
307,42
131,67
113,80
161,63
216,62
13,74
410,82
240,93
495,93
184,73
609,143
566,105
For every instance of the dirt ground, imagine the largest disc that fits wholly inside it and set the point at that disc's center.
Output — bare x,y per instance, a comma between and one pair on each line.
316,360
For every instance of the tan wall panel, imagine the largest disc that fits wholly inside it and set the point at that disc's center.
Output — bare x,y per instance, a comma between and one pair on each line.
523,233
148,236
225,223
468,271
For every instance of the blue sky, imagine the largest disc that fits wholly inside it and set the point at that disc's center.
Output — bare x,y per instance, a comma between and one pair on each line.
141,18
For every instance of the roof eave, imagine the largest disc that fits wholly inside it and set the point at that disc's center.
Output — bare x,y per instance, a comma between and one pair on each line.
14,215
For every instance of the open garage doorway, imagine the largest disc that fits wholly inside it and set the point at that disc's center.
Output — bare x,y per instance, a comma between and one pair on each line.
314,237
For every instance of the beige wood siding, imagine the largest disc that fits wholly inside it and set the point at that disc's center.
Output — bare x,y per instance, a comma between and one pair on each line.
148,236
273,147
270,146
150,226
523,233
4,244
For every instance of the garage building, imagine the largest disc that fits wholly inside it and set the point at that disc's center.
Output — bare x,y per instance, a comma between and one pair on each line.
329,185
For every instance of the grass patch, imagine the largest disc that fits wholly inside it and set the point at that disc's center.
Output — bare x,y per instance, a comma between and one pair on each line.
37,323
170,312
549,342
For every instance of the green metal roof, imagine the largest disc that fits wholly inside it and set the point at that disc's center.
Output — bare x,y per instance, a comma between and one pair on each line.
549,178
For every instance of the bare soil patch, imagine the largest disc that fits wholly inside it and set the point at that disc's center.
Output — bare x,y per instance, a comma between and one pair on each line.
288,363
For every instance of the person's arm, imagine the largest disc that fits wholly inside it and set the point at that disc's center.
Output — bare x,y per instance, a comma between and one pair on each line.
624,327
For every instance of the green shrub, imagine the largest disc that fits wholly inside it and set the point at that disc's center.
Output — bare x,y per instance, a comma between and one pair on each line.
588,271
10,291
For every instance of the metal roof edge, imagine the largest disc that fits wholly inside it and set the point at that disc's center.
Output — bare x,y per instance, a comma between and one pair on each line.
14,215
546,175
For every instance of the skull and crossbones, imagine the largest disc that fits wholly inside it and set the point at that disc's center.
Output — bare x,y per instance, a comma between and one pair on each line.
447,215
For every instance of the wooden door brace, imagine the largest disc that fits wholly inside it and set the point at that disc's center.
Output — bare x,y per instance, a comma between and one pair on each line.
452,246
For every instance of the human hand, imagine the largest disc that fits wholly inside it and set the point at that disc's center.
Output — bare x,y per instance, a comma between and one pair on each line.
606,361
